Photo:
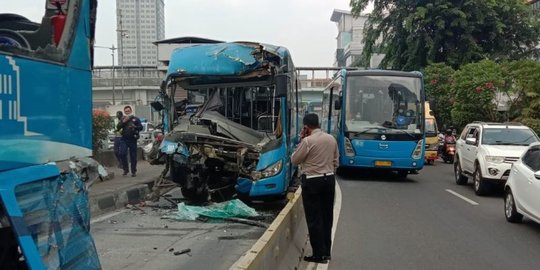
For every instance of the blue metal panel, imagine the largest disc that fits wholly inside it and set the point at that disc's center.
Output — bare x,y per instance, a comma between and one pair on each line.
221,59
46,108
225,59
384,149
260,188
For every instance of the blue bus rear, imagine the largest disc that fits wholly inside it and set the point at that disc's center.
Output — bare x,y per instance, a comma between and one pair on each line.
240,140
46,137
377,117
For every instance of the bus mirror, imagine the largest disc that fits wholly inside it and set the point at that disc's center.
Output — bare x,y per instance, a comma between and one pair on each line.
282,83
337,104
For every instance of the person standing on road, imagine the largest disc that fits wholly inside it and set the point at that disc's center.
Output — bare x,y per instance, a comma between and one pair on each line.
118,138
317,154
130,126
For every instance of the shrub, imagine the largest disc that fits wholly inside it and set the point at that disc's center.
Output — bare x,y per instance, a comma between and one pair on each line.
101,123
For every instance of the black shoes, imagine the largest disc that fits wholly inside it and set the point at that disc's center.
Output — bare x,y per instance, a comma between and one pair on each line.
133,174
125,173
327,257
316,259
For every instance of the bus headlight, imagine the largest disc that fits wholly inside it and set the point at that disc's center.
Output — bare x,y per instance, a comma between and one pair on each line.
270,171
349,150
417,153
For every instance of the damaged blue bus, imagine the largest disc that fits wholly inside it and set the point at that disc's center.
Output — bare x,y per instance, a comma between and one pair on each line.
46,136
240,140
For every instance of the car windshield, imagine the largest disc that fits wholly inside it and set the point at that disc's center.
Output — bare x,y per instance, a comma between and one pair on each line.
508,136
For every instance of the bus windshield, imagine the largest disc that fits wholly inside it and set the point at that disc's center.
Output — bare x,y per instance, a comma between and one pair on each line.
383,104
431,127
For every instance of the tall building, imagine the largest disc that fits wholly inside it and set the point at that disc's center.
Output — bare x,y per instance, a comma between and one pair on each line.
138,24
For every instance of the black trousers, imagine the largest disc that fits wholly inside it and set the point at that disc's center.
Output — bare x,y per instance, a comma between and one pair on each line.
318,197
128,147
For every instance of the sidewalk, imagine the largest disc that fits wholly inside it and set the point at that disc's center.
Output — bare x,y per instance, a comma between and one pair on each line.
120,190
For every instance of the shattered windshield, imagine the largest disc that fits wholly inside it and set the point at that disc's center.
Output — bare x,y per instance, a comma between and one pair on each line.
256,108
25,30
383,104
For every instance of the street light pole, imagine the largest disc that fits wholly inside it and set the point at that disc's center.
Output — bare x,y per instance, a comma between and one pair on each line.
113,96
121,54
112,48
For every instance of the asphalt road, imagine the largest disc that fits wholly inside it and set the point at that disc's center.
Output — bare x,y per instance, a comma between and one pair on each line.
418,224
139,238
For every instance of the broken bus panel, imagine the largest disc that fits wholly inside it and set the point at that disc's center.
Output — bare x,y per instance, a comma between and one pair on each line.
46,135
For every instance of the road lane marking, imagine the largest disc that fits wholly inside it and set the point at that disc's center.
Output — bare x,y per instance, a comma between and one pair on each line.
461,197
106,216
337,212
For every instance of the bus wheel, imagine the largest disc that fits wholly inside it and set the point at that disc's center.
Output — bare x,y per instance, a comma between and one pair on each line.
402,174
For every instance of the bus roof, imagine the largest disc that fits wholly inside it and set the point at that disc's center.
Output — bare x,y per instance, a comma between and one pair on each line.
381,72
246,59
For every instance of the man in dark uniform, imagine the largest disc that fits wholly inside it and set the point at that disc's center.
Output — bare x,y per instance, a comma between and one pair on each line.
130,127
317,154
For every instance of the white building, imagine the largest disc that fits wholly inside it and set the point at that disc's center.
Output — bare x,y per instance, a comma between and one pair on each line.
350,39
138,24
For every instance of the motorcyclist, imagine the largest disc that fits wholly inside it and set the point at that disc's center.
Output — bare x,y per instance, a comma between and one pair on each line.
448,139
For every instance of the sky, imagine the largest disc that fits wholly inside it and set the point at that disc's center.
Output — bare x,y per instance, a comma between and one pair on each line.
303,26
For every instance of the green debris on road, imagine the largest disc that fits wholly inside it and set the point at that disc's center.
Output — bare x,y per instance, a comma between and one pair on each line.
224,210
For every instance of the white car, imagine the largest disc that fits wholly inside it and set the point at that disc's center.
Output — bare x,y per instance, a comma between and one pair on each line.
523,187
486,152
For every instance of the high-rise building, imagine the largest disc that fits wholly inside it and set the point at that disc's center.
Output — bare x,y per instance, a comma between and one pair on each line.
138,24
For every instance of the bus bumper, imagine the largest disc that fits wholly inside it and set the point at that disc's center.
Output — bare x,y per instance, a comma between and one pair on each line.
382,163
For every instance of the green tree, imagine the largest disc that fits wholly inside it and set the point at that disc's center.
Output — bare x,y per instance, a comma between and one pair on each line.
438,84
522,80
415,33
476,87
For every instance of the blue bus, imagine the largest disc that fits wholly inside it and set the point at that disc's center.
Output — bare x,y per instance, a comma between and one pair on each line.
240,140
377,117
46,136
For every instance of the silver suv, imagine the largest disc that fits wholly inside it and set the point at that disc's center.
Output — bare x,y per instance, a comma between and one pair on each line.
486,152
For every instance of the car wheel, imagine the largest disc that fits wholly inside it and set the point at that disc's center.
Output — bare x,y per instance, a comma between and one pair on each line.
510,208
481,188
461,179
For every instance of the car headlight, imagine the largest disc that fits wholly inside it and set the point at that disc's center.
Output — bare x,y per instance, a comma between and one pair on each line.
270,171
494,159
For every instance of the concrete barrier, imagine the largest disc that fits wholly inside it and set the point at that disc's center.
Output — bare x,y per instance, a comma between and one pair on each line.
108,159
281,246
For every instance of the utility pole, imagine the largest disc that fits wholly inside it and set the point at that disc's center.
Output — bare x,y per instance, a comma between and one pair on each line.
123,33
112,48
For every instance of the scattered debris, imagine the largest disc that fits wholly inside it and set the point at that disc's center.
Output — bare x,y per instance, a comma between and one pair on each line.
202,219
183,251
247,222
171,249
229,209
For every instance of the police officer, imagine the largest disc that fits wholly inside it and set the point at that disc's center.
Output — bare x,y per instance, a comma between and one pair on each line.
130,126
317,154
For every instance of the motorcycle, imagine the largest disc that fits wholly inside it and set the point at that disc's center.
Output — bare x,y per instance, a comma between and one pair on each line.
449,150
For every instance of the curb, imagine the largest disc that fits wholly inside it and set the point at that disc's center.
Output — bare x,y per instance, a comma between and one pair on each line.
101,204
282,244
